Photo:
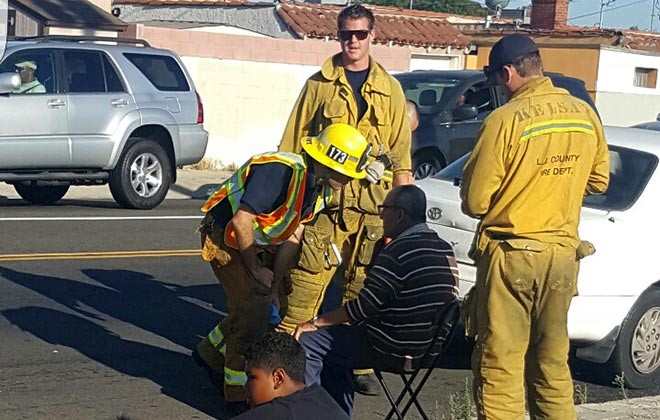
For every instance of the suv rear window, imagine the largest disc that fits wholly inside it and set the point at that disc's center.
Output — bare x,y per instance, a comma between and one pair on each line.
90,72
162,71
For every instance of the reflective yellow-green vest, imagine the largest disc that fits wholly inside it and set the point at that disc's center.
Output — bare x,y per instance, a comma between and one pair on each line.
273,228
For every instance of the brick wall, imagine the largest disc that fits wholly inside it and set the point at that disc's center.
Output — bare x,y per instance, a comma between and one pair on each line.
549,14
310,52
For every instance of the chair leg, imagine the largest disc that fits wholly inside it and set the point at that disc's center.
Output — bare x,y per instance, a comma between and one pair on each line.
413,397
388,394
407,389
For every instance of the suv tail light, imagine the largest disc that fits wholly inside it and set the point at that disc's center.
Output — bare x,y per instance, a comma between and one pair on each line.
200,109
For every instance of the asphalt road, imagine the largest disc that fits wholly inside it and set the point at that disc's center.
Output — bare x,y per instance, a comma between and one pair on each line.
100,308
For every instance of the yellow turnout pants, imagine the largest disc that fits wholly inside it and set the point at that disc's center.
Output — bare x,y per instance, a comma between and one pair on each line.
247,312
519,309
355,238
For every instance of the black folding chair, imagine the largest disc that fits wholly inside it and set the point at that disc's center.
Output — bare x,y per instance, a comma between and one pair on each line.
446,321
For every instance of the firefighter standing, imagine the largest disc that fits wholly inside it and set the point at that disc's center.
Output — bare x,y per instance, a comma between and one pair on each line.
351,88
535,159
250,234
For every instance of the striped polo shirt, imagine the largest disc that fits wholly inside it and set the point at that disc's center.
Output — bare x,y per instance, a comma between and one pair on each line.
411,279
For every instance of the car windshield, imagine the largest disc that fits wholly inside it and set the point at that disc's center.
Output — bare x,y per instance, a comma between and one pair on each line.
426,91
630,170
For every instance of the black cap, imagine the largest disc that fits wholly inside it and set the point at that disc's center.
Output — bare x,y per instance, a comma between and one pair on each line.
506,51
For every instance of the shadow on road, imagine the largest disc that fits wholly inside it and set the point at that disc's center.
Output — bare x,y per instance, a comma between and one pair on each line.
179,314
201,193
173,371
97,204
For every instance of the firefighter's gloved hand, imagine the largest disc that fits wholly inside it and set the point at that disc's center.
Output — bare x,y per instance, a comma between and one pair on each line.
377,168
375,171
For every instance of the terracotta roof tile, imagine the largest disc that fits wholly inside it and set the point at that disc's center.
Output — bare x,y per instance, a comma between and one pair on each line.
640,40
401,26
193,3
634,40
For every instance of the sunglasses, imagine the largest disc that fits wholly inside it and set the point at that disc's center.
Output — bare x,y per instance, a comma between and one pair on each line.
382,207
360,34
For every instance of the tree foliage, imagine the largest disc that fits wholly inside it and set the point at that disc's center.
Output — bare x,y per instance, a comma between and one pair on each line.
459,7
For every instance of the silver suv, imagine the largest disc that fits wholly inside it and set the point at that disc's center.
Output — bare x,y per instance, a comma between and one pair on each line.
80,111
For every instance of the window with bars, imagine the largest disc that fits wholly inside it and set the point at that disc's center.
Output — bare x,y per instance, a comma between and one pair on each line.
645,77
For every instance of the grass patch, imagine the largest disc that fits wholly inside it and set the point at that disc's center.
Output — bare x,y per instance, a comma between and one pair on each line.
209,164
461,406
581,394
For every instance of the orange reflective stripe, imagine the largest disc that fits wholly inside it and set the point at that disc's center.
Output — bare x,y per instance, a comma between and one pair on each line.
273,228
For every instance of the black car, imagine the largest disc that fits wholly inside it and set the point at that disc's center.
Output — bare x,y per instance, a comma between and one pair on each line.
452,105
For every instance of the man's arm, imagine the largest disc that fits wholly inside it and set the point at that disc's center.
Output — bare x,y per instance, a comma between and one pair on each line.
379,289
400,142
336,317
403,178
285,257
484,170
599,178
243,222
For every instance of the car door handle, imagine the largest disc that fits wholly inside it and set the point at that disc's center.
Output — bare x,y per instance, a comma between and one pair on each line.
55,103
118,103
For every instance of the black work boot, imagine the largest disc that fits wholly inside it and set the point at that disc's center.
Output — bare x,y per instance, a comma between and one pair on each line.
216,378
366,385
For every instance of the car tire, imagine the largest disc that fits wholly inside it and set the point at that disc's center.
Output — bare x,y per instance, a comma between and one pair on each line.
142,176
42,195
425,165
637,353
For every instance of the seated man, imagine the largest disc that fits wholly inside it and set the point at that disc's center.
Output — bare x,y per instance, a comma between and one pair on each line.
29,84
275,366
410,281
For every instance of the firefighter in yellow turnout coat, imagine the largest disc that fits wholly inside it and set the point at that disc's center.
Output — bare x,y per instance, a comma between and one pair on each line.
535,159
351,88
250,237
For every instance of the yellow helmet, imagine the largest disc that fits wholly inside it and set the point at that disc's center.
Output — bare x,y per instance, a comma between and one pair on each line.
341,148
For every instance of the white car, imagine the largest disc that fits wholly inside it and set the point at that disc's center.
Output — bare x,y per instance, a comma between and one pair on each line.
616,316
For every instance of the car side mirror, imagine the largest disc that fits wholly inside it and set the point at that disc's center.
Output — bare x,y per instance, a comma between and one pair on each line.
465,112
9,82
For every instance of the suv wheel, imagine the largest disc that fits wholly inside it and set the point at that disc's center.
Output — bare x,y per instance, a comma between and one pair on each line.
637,354
42,195
142,176
425,165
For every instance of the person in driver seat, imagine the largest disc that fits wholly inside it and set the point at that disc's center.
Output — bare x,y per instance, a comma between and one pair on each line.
29,83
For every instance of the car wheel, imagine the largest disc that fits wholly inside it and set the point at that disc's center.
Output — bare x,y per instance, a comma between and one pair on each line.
637,354
42,195
425,166
142,176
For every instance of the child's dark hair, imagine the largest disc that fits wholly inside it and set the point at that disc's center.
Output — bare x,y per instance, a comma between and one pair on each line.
275,350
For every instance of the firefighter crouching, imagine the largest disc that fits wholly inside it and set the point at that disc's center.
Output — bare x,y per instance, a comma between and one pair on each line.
250,236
